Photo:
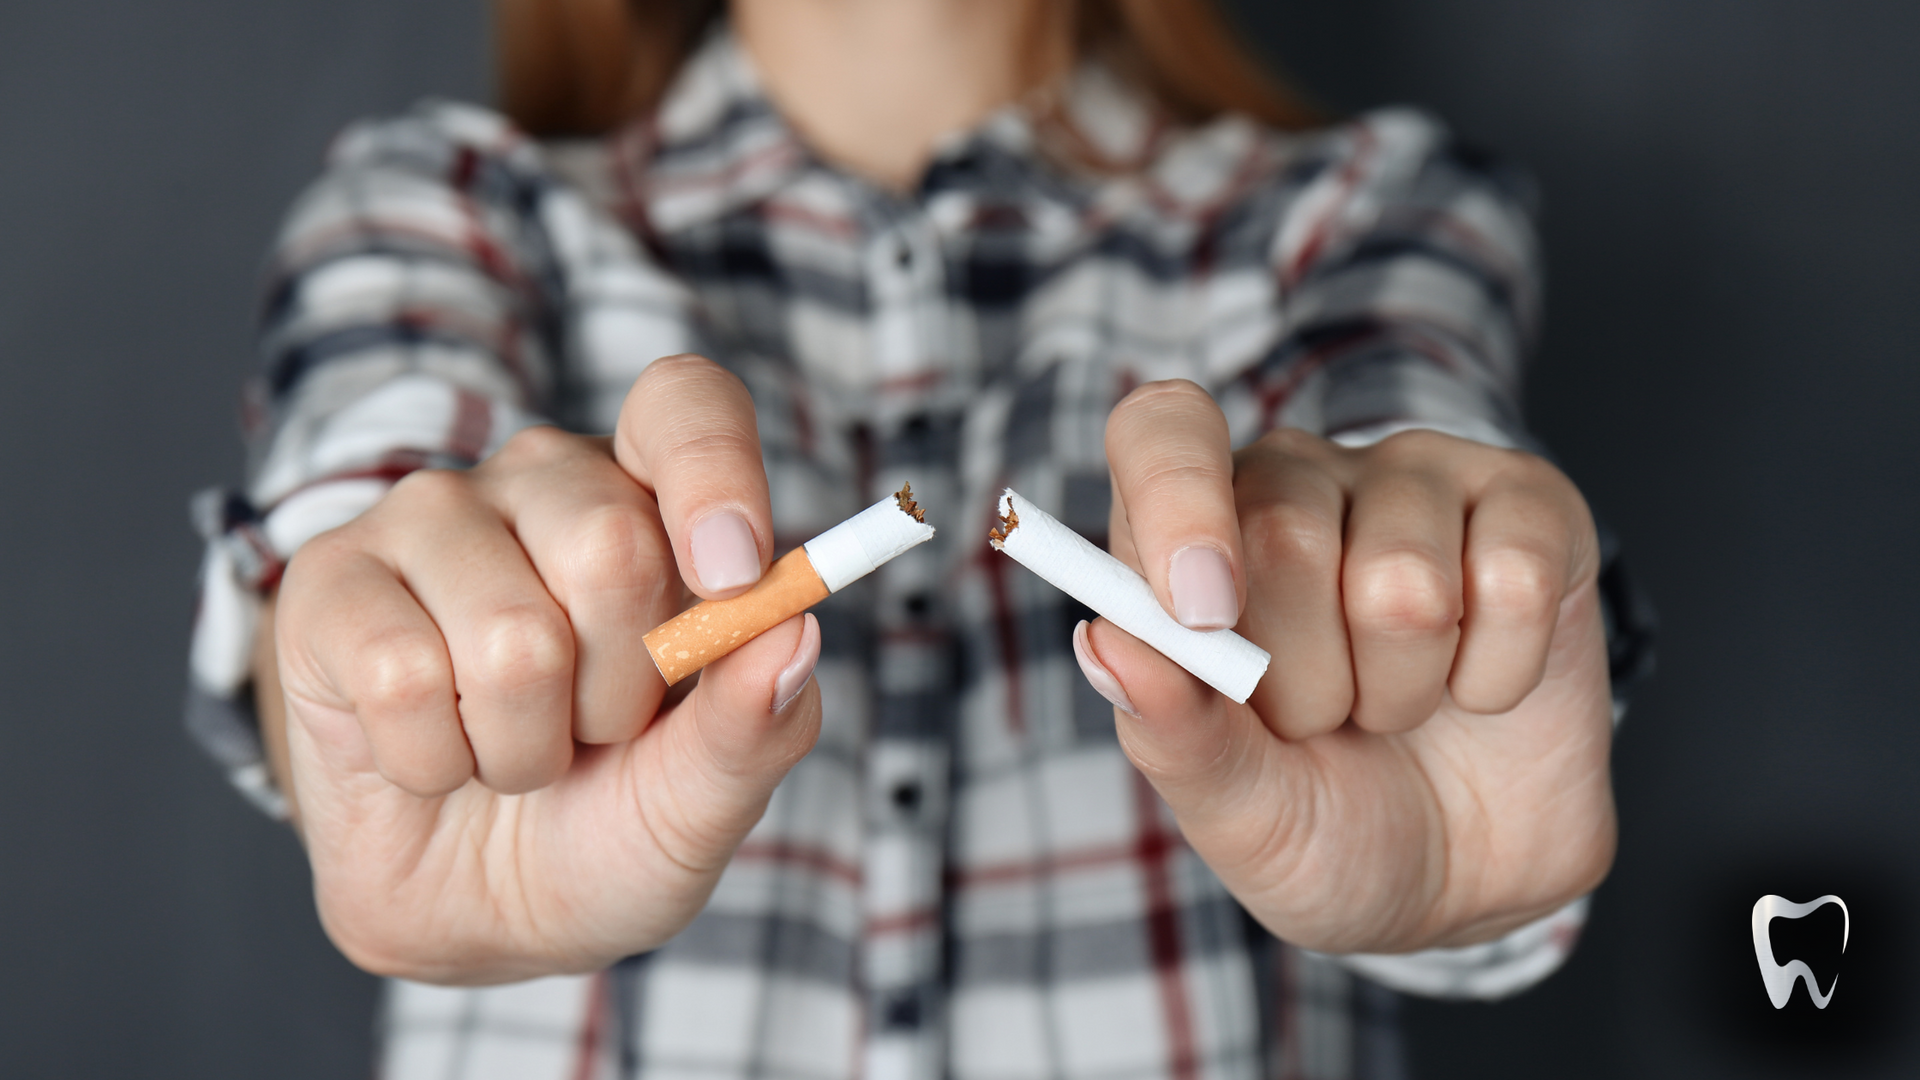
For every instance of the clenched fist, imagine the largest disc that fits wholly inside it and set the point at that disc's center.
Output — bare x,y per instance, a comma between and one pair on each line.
489,779
1425,762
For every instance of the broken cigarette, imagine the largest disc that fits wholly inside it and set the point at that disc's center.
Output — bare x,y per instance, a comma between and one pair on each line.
795,582
1066,560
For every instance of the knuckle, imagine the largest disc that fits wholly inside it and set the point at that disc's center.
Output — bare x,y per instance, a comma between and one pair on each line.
1531,467
321,558
1418,452
1553,488
524,647
1522,472
1292,442
427,490
612,548
1403,593
1291,534
1514,582
535,445
1418,444
402,674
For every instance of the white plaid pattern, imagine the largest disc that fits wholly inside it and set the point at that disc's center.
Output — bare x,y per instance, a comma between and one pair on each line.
966,878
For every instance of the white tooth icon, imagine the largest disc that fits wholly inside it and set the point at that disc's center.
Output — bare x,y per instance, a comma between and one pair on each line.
1780,978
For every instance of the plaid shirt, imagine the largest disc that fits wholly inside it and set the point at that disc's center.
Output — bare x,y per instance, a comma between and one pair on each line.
966,877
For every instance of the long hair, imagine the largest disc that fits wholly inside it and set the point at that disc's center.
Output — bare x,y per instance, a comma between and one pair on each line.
583,67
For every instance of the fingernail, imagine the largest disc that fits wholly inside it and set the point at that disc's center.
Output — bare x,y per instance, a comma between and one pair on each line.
724,554
1102,679
1202,588
793,677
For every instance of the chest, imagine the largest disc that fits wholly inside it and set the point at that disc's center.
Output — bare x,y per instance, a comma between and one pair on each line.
961,339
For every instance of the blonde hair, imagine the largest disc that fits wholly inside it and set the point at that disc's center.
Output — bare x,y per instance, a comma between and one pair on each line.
584,67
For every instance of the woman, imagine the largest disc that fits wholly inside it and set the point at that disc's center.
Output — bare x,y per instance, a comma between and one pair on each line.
1078,248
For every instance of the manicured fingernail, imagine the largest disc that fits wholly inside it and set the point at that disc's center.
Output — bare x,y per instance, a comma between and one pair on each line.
724,554
1202,588
1102,679
793,677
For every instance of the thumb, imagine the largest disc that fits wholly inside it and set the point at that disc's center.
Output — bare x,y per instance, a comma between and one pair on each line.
753,716
1202,753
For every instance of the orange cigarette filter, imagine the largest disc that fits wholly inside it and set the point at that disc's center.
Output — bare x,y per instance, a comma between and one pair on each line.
711,629
795,582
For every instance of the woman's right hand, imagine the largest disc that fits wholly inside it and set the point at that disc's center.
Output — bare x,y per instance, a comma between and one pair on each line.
488,782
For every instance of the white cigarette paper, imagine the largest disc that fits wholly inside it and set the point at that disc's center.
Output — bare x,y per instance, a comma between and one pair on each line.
1066,560
866,541
795,582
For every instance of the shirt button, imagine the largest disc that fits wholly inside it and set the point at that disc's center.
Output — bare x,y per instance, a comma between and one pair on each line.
906,797
903,1011
918,605
903,255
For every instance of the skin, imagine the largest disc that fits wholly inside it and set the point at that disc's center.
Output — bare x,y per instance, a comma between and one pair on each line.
1425,761
874,84
491,789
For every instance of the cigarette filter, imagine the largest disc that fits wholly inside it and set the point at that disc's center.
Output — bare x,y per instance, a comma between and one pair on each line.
795,582
1066,560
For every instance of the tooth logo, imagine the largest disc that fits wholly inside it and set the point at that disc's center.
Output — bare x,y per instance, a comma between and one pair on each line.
1778,977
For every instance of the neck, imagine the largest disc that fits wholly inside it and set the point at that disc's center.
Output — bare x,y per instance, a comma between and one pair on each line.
873,85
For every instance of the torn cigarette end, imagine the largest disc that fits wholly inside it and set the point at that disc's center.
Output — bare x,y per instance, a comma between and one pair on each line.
904,499
795,582
1069,562
1008,521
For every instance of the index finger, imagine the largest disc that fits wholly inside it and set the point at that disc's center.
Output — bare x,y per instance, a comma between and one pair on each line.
687,434
1172,464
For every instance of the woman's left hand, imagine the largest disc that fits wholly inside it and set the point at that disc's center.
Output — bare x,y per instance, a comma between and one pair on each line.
1425,761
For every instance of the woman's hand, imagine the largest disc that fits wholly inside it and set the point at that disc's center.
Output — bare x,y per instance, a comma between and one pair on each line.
1425,762
488,782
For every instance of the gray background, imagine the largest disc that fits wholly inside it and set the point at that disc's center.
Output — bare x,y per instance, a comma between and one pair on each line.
1730,214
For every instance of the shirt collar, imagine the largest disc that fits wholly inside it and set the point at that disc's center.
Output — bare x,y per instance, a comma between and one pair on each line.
716,143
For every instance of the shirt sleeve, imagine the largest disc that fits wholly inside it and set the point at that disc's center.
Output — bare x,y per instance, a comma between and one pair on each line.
408,323
1408,275
1485,972
1408,281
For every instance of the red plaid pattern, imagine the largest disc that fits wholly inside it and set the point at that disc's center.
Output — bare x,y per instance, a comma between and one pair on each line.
966,878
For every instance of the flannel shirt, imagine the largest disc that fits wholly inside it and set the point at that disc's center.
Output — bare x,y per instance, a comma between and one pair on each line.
966,877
